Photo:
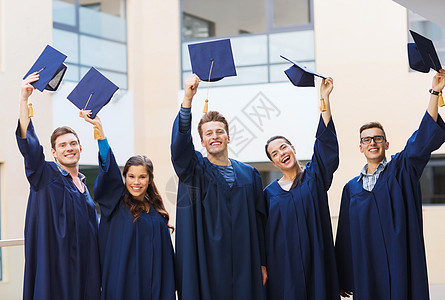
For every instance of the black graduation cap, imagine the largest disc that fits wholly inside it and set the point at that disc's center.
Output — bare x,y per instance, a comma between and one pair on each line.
426,50
301,75
415,60
51,69
93,92
212,61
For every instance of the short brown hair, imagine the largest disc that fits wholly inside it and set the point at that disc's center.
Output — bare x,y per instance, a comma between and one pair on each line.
212,116
61,131
372,125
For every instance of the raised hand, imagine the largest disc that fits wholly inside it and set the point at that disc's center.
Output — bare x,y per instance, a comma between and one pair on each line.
190,88
26,88
326,87
439,81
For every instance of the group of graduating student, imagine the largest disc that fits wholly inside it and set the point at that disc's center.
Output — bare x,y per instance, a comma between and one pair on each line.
234,241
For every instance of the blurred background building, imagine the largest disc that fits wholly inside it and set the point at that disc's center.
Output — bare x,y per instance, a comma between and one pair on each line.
141,45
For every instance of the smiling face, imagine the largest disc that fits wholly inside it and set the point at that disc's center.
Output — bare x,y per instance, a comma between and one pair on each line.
137,181
374,152
67,150
214,137
282,154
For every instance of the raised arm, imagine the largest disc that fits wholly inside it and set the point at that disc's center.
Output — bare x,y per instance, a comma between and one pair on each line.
25,92
437,86
190,88
326,87
325,159
182,149
109,185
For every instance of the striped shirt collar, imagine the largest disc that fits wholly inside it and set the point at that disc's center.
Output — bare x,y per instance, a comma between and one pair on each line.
380,168
66,173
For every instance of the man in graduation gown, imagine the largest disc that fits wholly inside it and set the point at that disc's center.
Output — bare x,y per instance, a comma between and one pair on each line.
221,212
61,248
379,247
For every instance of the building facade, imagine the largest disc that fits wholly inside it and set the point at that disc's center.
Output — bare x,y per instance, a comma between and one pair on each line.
141,45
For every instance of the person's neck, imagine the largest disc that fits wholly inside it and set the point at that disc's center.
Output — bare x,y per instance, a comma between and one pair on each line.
372,166
290,175
74,171
220,159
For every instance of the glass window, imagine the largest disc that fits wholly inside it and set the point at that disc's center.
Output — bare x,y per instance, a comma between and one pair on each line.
91,173
433,181
92,33
428,29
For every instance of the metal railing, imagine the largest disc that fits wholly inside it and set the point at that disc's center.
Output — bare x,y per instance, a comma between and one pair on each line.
12,242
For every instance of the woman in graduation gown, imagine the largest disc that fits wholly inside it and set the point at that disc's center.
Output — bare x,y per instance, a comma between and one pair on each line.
135,247
300,252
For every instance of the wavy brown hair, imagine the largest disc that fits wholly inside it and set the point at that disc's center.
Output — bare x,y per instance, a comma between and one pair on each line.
152,196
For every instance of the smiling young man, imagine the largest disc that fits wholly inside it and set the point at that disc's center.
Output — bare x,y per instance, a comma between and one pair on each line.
379,246
221,212
61,249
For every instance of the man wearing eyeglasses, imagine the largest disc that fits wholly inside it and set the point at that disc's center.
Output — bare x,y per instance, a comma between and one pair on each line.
379,245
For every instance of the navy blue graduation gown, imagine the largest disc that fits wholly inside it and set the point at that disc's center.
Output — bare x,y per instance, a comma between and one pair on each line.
136,256
61,247
379,246
300,249
219,230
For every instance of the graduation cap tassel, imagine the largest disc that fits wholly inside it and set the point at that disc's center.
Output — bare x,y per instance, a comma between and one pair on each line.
322,105
441,102
206,105
30,110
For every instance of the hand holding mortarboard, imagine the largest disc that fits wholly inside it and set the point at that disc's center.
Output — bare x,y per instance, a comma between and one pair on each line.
212,61
422,57
27,89
97,123
49,65
439,81
302,76
92,93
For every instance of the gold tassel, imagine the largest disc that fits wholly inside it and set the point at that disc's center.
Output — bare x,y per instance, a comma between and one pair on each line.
441,102
322,105
97,135
206,106
30,110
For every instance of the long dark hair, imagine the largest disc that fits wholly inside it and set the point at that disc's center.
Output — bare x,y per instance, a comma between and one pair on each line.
152,196
299,176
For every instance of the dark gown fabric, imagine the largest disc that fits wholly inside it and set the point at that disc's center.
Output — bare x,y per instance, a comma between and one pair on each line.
300,249
136,256
219,230
379,247
61,246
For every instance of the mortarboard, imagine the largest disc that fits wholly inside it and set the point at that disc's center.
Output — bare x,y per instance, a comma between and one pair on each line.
51,69
301,75
93,92
415,59
212,61
427,52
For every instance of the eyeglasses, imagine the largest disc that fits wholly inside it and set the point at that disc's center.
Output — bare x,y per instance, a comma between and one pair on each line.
377,139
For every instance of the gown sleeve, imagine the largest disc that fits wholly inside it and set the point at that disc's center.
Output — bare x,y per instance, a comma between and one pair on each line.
325,158
109,186
343,250
429,137
32,152
261,216
183,152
